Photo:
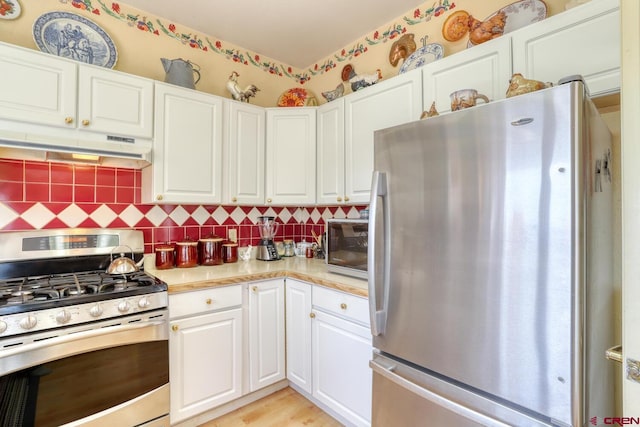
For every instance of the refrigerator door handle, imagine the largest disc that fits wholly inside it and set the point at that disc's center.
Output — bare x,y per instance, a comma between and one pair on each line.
377,311
389,372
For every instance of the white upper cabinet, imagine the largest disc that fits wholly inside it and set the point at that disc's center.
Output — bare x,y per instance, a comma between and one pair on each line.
485,67
187,148
584,40
112,102
330,152
49,91
244,154
291,156
391,102
39,88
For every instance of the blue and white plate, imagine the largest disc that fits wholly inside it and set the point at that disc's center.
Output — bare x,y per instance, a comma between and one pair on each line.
73,36
426,54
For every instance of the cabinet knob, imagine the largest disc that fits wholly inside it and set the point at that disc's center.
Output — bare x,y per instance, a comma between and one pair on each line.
68,120
254,289
339,199
174,328
312,315
346,198
234,199
85,122
159,197
268,200
343,306
209,301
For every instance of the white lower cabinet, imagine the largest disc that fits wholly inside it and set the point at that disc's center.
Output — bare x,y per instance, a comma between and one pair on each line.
266,333
329,349
205,350
299,334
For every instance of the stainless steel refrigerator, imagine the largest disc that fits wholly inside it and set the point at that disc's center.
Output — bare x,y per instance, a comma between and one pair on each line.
490,266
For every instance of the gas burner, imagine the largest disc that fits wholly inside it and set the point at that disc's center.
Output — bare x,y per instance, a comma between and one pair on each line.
73,288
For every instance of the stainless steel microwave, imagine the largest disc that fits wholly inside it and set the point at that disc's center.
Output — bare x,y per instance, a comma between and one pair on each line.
346,248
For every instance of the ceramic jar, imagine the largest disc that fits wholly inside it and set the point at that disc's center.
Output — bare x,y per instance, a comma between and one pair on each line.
230,252
210,250
186,253
165,256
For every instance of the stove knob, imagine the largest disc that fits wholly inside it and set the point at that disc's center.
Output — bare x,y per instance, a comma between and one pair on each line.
144,302
3,326
124,306
63,317
28,322
95,311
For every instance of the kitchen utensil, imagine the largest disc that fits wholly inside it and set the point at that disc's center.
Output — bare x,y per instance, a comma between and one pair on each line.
186,253
180,72
123,264
210,250
165,256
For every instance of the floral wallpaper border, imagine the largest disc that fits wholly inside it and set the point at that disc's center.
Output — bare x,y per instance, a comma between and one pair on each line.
144,23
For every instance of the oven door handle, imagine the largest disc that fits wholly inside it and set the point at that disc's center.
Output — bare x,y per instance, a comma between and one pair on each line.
24,356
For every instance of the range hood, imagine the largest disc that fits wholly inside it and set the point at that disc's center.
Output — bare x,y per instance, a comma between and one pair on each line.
61,145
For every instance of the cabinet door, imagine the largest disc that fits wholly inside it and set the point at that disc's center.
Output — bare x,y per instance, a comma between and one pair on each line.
341,373
266,333
37,88
205,368
298,309
585,41
389,103
291,156
244,154
485,67
330,152
114,103
187,148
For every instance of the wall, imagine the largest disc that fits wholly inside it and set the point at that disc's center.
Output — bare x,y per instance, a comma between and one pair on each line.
142,39
42,195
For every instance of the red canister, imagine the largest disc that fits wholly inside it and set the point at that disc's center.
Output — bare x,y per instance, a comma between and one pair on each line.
230,252
210,250
186,253
164,256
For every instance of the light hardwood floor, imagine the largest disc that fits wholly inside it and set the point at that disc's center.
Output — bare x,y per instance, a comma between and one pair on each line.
284,408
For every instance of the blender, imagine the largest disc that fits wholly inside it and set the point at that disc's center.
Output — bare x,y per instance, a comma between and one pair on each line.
266,248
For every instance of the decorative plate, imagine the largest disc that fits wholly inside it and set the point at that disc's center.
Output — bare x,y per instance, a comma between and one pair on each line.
72,36
297,97
520,14
9,9
425,55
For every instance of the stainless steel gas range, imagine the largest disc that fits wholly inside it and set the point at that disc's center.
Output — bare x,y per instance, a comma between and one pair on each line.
80,345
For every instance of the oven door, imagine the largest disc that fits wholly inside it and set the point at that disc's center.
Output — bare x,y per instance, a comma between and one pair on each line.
114,372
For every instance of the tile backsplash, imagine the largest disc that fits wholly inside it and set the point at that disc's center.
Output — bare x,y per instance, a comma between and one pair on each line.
44,195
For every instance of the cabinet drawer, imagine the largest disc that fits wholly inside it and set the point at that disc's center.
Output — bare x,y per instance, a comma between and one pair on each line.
342,304
206,300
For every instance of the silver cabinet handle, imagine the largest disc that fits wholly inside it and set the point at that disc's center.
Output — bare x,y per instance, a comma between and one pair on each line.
614,353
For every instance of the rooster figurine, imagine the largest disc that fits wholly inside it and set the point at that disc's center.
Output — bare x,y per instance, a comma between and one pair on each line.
238,94
359,82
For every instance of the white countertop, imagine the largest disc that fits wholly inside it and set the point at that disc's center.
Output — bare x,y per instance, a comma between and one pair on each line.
200,277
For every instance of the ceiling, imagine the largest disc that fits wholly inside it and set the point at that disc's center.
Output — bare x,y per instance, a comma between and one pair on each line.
298,33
